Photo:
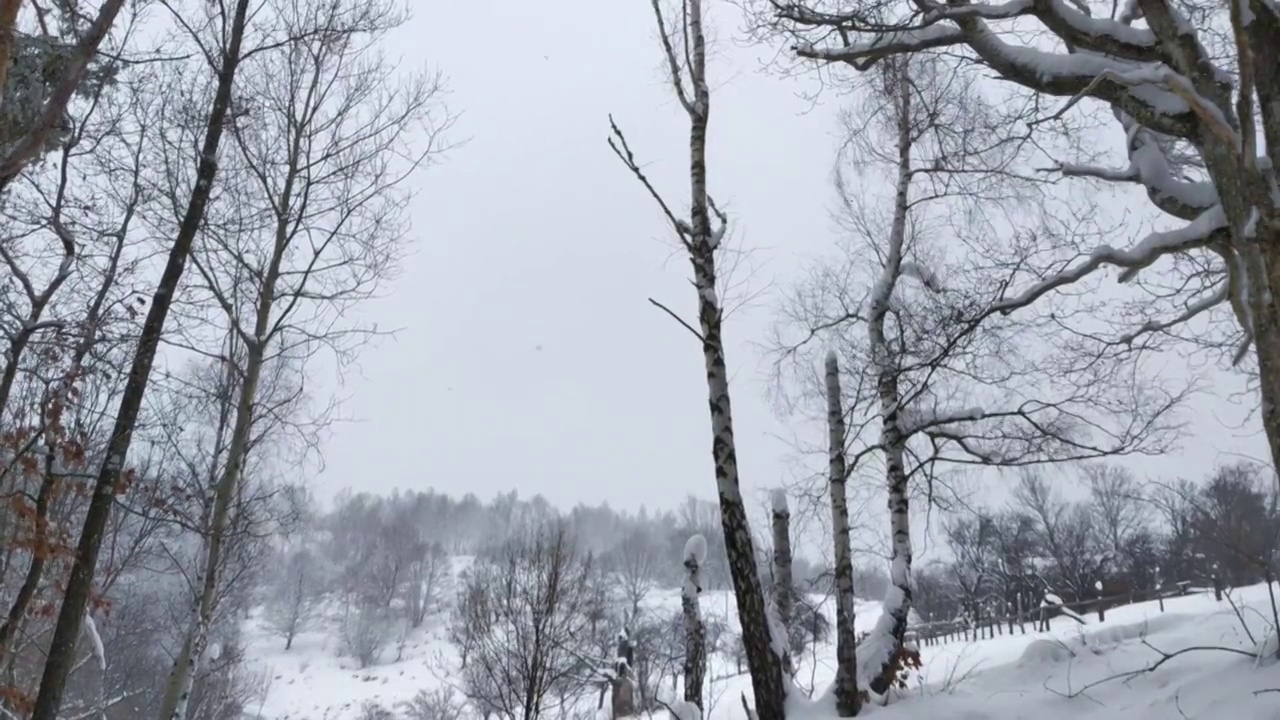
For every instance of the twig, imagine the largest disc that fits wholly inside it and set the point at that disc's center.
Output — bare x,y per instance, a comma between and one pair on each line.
1240,616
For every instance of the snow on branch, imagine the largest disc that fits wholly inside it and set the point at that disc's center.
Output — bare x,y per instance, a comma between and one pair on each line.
926,276
1149,165
1204,230
893,42
1193,309
912,422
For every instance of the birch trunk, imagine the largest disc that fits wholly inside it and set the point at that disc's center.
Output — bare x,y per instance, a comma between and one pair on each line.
67,631
695,633
845,688
767,680
688,75
764,664
784,583
784,591
886,640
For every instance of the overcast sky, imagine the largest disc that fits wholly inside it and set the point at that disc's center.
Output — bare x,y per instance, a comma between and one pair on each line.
528,355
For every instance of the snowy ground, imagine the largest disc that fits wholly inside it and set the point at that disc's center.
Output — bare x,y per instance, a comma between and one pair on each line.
1070,672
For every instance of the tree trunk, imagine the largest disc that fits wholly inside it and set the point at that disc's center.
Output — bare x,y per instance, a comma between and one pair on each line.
765,666
848,698
39,554
784,591
767,680
182,677
695,633
61,655
886,640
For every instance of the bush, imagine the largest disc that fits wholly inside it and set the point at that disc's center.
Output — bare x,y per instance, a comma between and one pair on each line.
365,630
439,704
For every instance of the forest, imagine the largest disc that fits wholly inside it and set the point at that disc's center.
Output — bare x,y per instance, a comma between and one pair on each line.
200,201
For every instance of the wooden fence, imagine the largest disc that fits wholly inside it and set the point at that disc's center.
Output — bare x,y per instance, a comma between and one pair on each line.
988,626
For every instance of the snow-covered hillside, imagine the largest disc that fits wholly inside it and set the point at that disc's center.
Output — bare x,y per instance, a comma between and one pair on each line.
1097,671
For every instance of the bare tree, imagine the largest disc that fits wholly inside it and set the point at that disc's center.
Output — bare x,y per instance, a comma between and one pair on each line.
295,596
526,611
1066,532
366,628
67,632
1193,101
638,563
310,221
50,438
700,236
1120,508
426,578
924,323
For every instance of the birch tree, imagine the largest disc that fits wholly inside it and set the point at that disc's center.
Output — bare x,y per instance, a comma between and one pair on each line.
1195,89
309,221
700,235
695,632
845,686
784,585
946,380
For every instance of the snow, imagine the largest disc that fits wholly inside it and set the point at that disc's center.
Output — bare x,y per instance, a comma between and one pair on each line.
695,548
91,628
926,276
778,500
1213,664
912,421
684,710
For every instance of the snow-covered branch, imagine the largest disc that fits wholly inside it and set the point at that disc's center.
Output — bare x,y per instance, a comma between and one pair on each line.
1209,227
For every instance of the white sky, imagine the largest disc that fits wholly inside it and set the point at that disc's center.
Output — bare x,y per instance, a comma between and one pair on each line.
529,357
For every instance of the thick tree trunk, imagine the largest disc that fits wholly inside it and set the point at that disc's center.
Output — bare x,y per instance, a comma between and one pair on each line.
767,677
845,689
767,680
61,655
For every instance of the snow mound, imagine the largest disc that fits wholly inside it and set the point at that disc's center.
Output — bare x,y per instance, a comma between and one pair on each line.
695,549
779,500
1046,650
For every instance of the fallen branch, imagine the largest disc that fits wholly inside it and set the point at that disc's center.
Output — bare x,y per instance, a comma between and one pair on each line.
1164,658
